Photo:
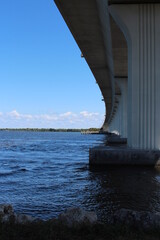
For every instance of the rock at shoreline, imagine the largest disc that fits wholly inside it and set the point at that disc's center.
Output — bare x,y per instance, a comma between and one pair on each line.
6,209
138,219
7,214
75,216
70,217
21,218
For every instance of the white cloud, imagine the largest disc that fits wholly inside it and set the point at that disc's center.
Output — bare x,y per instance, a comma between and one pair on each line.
66,114
88,115
14,114
47,117
84,119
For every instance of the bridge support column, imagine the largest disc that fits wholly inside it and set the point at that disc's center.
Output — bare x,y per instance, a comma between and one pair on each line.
119,122
140,25
122,82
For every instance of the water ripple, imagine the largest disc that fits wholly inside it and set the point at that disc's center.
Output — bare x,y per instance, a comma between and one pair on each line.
41,174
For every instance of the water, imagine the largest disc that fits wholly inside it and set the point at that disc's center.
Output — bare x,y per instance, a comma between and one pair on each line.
43,173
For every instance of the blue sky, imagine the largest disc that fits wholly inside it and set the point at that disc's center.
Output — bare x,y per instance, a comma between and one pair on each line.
44,81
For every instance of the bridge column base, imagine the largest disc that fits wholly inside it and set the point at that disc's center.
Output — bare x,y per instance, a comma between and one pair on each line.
115,156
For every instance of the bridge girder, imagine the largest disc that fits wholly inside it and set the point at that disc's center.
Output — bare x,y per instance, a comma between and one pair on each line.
94,31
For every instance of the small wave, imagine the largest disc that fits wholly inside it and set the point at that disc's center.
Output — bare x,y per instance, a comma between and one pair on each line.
82,169
23,170
10,173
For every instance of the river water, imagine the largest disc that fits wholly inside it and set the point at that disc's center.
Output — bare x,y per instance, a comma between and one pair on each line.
43,173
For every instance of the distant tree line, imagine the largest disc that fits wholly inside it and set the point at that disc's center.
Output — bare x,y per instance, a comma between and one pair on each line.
51,129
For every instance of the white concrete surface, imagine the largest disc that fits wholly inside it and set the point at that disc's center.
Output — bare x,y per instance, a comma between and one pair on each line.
119,122
140,24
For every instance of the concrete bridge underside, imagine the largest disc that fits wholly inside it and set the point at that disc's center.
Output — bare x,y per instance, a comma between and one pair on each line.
120,40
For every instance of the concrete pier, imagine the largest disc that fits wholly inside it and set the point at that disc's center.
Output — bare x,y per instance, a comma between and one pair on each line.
140,26
120,155
116,141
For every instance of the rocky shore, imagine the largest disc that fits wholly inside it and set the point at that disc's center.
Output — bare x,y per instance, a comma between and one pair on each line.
76,223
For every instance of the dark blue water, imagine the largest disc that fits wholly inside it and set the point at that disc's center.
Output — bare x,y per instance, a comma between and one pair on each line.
43,173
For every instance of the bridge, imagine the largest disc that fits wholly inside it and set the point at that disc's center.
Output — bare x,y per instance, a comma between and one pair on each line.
120,41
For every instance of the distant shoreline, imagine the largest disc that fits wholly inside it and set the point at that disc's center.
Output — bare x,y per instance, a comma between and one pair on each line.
51,129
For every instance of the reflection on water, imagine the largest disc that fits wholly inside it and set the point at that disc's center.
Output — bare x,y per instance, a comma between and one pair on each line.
134,188
41,174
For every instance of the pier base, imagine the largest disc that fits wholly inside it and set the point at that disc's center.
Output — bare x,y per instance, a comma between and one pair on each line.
116,140
105,155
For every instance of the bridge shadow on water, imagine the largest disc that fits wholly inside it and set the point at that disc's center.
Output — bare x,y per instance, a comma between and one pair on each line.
135,188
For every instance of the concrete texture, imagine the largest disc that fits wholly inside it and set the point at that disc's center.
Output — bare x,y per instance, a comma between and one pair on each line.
140,25
119,51
123,156
116,140
132,1
118,121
